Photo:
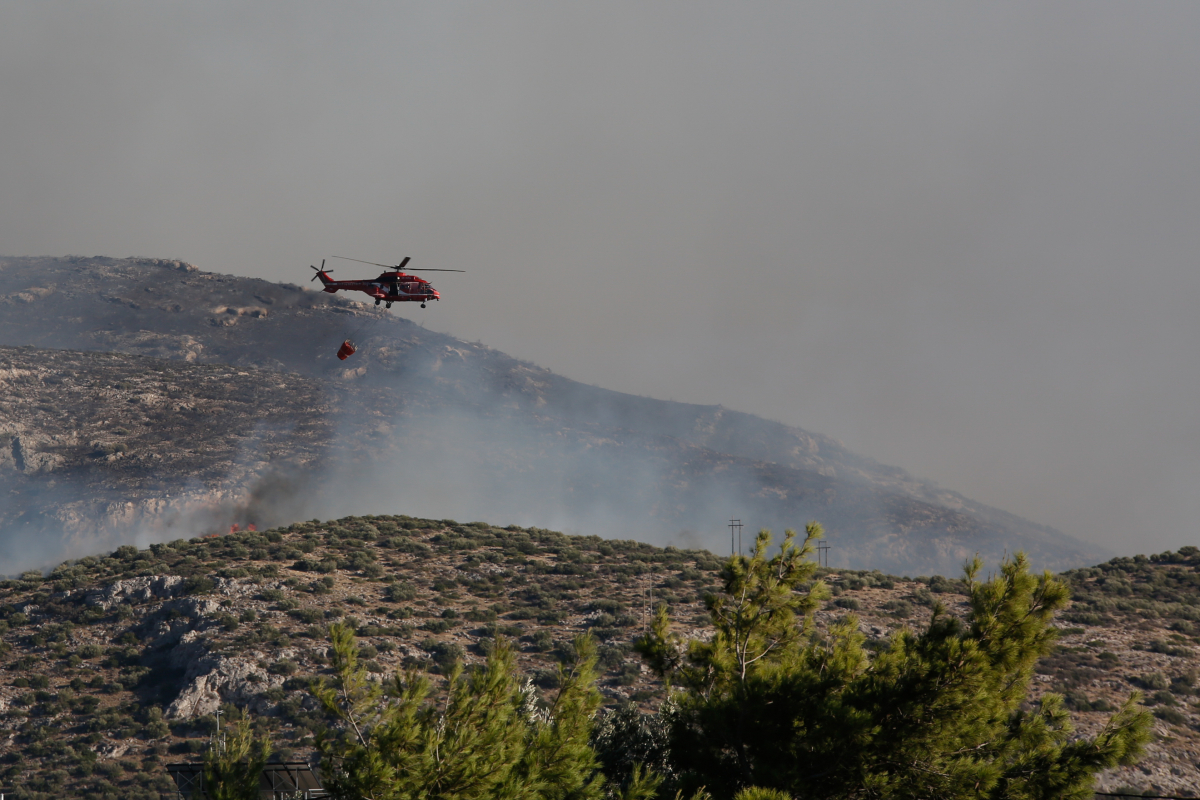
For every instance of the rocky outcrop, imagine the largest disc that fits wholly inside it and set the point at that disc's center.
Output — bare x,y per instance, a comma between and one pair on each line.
21,453
212,680
135,590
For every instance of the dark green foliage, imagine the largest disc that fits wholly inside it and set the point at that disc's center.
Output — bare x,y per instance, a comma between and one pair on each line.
1183,685
233,771
444,654
624,738
1072,667
308,616
1154,681
399,592
934,714
1166,648
1077,700
198,585
486,739
1171,715
283,667
542,641
940,585
1166,585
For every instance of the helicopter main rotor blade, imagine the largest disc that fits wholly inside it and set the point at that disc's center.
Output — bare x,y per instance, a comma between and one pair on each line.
372,263
399,266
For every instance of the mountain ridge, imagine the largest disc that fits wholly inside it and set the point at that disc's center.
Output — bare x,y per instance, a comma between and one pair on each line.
618,463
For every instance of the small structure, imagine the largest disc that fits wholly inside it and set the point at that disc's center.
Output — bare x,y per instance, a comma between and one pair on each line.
294,780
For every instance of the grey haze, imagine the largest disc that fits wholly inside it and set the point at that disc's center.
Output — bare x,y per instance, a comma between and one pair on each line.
959,238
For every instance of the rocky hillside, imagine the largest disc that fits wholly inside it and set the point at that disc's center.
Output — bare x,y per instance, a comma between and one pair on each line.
113,666
455,427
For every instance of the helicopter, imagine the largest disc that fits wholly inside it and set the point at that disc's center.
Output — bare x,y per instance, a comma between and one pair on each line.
393,286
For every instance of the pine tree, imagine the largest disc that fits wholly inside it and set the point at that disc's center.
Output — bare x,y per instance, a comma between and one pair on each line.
768,704
488,740
233,766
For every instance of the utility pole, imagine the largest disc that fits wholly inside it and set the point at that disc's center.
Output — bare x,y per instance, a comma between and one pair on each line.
735,525
822,554
218,741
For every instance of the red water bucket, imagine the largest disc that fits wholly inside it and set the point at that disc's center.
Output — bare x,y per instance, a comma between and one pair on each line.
346,350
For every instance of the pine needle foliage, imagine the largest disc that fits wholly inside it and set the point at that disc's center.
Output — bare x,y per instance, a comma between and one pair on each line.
767,706
486,738
233,767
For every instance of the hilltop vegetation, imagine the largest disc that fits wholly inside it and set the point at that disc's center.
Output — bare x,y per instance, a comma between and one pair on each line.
133,653
116,665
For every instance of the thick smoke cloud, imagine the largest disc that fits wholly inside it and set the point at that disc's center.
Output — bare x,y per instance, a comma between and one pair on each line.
959,238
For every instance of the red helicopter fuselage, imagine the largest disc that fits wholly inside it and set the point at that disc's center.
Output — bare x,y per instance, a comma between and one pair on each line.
389,287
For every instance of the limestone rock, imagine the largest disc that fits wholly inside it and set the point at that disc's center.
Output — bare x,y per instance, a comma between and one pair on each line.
216,679
135,590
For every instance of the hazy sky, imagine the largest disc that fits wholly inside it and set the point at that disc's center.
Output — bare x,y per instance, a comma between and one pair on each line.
961,238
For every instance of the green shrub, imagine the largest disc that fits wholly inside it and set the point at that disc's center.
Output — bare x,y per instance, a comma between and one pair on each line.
125,552
444,654
198,584
413,548
308,616
628,674
399,592
1152,681
542,641
900,609
1172,715
1168,649
923,597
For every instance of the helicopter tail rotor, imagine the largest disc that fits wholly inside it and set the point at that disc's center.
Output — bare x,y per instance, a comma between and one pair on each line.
319,271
